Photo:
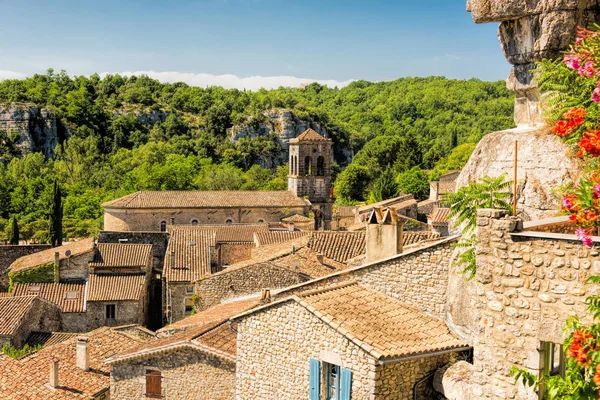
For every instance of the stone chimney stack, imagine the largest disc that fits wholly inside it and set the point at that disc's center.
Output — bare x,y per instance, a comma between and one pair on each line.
265,296
82,353
384,234
291,227
53,382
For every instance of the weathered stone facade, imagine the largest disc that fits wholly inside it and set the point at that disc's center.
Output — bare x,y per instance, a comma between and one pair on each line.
231,253
127,312
43,316
75,267
187,374
527,285
174,297
8,254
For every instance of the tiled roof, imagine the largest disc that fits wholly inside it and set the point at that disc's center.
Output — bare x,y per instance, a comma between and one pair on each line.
297,218
116,287
27,378
207,199
111,255
48,339
47,256
272,237
12,312
56,293
191,247
228,233
4,294
382,326
305,261
309,135
338,246
396,203
221,338
439,216
410,238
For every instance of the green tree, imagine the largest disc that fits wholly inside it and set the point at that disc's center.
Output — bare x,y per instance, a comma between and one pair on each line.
13,235
56,217
385,186
352,183
414,181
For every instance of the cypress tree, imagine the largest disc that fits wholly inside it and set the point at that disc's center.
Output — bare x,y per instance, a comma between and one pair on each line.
13,237
56,216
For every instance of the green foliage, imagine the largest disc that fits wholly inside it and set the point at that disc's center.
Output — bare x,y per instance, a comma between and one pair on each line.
15,353
414,181
352,183
385,186
56,217
42,273
13,235
456,160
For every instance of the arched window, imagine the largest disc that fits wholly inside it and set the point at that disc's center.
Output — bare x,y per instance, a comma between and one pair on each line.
321,166
261,221
308,166
229,221
194,222
163,226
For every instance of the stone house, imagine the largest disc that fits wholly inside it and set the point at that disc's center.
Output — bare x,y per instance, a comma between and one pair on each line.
193,358
71,369
341,342
69,297
298,221
154,211
403,205
439,220
22,315
444,185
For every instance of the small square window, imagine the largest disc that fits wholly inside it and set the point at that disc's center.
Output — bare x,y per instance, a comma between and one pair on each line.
111,311
189,289
72,295
189,306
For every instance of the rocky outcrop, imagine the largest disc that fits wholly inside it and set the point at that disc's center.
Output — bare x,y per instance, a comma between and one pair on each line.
30,128
544,164
529,31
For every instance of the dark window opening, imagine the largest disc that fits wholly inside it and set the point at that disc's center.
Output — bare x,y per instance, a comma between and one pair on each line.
552,360
194,222
111,311
307,166
321,166
163,226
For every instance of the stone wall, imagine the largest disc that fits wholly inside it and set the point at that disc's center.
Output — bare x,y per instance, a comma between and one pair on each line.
74,322
243,281
42,317
231,253
417,277
187,374
174,301
141,220
158,240
128,312
9,254
75,267
527,285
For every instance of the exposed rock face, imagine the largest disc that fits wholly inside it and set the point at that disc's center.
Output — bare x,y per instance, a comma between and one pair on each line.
30,128
529,31
544,164
282,123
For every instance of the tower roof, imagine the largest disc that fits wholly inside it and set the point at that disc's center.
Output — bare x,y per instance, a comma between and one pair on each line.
310,135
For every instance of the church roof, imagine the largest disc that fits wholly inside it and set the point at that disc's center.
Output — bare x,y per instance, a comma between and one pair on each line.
310,135
207,199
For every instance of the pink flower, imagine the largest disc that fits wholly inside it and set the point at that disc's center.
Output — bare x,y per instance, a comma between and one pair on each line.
580,233
567,203
579,40
587,242
596,95
596,192
572,61
587,70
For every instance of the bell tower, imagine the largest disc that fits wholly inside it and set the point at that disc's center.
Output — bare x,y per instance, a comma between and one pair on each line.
310,173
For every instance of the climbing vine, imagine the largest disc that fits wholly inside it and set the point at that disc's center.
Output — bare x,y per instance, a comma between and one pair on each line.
43,273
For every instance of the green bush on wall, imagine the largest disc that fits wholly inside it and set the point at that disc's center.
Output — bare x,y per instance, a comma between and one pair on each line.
42,273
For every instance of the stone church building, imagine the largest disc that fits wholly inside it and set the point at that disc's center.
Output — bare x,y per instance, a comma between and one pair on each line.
309,183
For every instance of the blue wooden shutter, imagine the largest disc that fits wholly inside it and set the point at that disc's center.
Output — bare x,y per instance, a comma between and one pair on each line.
315,379
346,384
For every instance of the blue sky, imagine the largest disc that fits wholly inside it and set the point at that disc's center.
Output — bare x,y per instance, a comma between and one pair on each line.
198,41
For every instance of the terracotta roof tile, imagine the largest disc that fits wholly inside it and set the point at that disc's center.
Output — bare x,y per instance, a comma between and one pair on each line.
207,199
440,216
68,296
297,218
396,203
115,255
273,237
116,287
409,238
338,246
4,294
228,233
12,312
49,339
221,338
26,378
192,258
309,135
383,326
47,256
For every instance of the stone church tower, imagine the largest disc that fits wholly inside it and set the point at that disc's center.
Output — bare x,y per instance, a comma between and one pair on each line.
310,174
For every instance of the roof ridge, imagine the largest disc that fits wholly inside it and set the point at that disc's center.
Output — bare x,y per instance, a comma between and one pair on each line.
328,289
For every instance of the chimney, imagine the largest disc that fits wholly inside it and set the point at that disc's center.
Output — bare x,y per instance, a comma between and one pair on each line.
291,227
384,235
53,382
172,259
57,269
82,353
172,220
265,296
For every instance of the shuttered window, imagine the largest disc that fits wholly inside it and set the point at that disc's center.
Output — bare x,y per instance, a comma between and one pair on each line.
153,384
315,380
346,384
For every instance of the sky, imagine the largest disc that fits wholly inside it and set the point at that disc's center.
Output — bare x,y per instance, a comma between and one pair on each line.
249,43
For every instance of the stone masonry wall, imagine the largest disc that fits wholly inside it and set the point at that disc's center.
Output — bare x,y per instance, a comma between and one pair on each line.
75,267
74,322
187,374
274,348
128,312
174,301
231,253
243,281
419,278
42,317
525,289
9,254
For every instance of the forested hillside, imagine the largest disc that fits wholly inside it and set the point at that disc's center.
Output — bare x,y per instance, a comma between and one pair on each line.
135,133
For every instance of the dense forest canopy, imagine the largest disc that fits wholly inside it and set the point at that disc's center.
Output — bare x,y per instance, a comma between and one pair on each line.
116,145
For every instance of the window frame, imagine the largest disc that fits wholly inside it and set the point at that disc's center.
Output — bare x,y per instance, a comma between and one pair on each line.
162,226
106,308
152,372
332,383
548,363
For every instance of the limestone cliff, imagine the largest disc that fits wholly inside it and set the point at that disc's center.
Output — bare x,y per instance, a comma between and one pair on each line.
30,128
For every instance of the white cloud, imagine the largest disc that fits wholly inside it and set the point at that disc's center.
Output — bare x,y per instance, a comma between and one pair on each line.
11,75
230,81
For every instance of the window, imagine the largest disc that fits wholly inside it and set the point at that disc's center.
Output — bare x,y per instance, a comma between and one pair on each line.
261,221
229,221
153,384
189,289
72,295
321,166
552,362
163,226
307,166
111,311
334,380
189,306
194,222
